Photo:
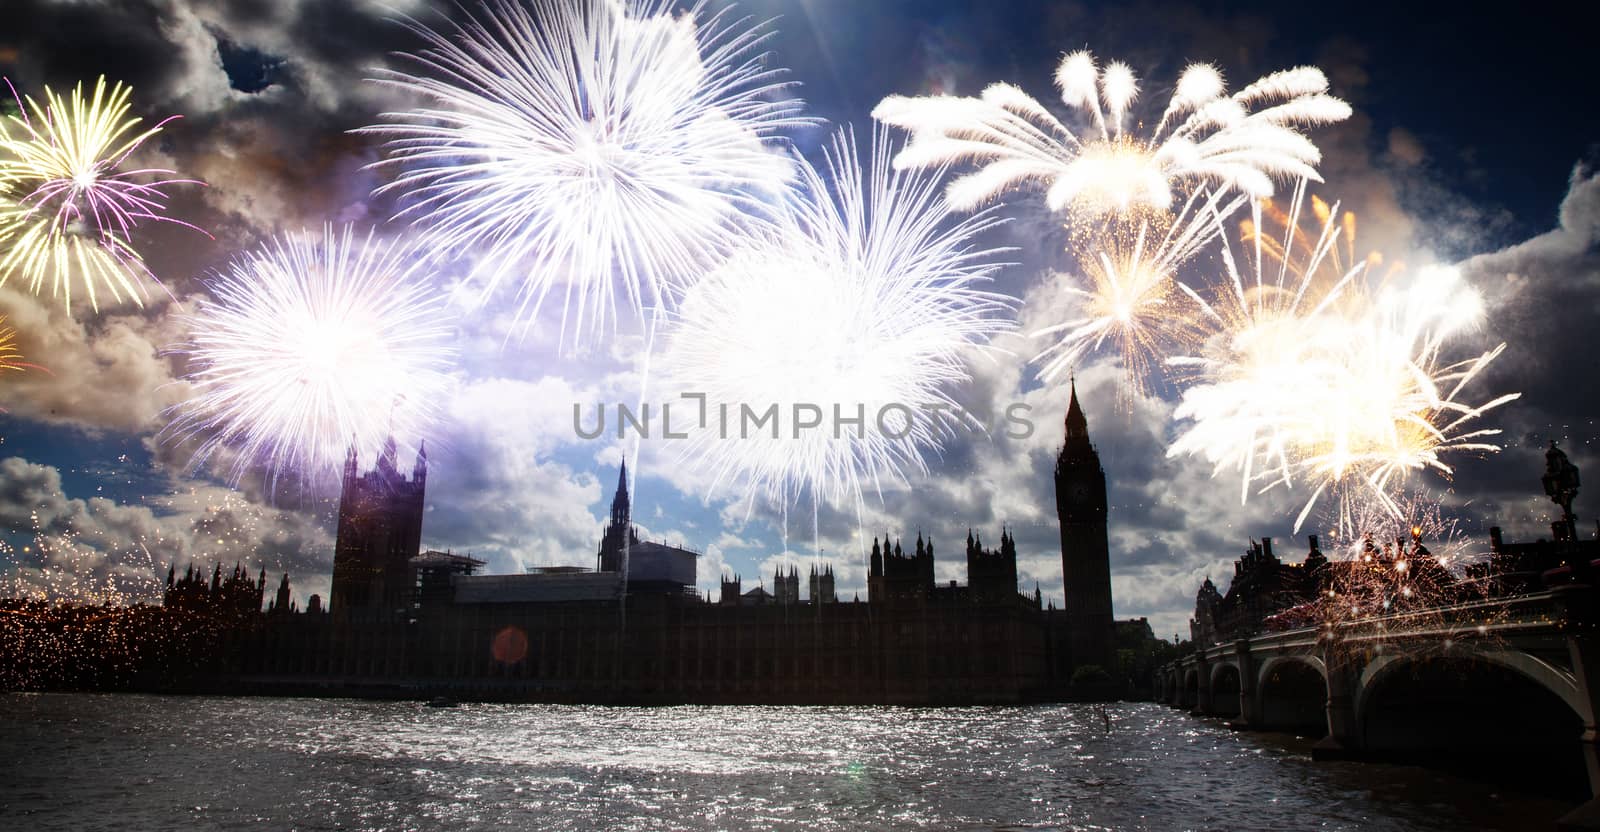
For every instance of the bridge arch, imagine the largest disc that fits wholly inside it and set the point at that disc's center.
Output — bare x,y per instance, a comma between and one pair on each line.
1189,695
1558,682
1225,686
1292,696
1431,709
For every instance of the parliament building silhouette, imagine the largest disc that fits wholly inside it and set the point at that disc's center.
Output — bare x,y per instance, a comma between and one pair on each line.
634,628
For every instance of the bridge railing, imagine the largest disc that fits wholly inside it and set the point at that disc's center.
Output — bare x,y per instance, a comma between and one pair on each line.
1481,618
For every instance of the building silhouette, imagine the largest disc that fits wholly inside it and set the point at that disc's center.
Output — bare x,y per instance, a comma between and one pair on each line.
821,585
237,595
379,532
619,537
635,629
1267,594
1081,508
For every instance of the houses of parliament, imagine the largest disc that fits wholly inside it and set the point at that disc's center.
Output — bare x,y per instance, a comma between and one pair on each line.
633,628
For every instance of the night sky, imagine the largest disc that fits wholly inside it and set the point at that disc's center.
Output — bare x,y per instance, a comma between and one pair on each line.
1474,142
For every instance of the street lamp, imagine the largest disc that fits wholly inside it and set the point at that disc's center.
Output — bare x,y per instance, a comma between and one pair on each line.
1561,483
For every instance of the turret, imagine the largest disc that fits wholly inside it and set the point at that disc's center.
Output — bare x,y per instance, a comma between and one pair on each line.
386,461
419,472
1314,558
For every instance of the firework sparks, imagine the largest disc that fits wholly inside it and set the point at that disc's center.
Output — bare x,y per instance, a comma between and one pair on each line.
605,147
1204,136
66,203
1336,378
10,356
312,343
55,566
1132,298
862,304
82,602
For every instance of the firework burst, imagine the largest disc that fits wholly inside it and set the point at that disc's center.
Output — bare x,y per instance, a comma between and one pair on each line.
312,344
1330,374
1130,297
1203,137
864,303
600,150
10,356
66,203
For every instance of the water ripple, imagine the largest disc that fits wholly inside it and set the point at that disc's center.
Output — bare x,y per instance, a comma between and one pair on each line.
83,762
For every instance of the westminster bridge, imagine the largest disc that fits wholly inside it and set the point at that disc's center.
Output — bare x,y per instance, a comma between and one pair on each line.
1510,682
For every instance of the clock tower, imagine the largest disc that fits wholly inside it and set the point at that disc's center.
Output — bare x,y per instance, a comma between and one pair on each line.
1085,551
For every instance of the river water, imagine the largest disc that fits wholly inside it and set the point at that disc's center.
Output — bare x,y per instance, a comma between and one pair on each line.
124,762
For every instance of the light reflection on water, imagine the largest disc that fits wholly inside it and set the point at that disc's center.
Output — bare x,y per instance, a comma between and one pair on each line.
141,762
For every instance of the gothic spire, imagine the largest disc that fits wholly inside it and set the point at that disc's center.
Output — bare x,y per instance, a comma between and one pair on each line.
1077,425
621,511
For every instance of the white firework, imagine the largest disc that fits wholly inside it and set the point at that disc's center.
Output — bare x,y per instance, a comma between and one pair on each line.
1322,372
600,150
311,345
864,303
1204,136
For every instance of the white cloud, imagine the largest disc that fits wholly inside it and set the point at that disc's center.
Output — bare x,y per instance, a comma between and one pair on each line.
99,372
90,549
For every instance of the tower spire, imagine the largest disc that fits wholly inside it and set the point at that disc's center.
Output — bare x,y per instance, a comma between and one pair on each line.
1081,508
621,509
1077,425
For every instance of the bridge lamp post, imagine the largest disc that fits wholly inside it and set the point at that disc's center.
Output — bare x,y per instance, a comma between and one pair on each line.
1561,484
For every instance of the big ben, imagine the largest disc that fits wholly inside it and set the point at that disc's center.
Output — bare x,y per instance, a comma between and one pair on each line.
1085,550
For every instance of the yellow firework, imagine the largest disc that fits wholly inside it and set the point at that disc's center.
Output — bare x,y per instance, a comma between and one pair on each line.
68,201
10,356
1323,371
1126,296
